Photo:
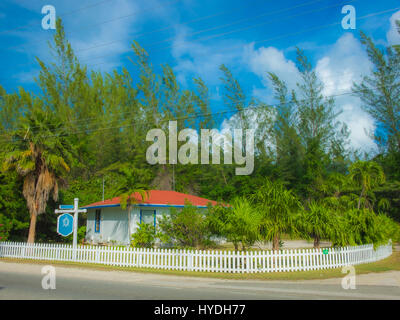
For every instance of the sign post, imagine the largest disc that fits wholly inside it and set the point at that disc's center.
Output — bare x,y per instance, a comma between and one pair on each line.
75,210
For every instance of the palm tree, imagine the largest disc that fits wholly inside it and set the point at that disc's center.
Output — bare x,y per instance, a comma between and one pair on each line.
277,207
130,187
318,221
367,175
241,223
40,155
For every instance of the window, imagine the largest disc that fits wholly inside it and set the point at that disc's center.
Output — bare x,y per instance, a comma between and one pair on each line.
148,216
97,221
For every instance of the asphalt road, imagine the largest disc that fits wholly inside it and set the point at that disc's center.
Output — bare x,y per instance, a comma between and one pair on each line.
24,281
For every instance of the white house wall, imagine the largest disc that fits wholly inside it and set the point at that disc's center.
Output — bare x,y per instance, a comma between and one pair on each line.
113,226
114,223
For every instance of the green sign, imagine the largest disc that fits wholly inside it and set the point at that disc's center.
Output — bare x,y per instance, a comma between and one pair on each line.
325,251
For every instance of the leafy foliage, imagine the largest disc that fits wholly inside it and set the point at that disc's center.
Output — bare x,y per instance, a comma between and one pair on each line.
82,127
186,228
277,207
5,227
238,223
144,237
319,222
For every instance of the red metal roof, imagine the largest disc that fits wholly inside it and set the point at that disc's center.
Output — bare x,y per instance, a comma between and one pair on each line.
158,197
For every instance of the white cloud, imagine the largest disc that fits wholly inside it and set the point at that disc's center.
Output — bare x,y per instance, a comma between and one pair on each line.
344,63
270,59
393,36
90,44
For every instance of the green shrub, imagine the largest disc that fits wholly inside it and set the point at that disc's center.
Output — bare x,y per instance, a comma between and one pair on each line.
185,228
5,228
81,235
366,227
237,224
144,237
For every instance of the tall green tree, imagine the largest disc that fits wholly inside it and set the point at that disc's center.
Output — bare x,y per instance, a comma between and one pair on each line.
289,149
309,139
318,126
380,91
40,157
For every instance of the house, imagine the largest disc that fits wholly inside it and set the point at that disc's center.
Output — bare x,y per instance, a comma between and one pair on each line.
108,223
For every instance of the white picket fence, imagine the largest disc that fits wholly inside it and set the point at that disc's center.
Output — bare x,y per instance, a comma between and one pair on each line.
200,260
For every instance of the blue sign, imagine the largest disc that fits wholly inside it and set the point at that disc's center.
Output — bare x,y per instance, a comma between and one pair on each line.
66,206
65,224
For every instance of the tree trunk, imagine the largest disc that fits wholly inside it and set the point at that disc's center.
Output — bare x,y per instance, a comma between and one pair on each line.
275,243
316,242
32,229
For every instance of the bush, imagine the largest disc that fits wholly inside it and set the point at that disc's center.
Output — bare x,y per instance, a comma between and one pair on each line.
144,237
237,224
366,227
186,228
389,228
5,228
81,235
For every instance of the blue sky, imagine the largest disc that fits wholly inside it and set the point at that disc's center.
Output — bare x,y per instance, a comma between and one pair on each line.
196,37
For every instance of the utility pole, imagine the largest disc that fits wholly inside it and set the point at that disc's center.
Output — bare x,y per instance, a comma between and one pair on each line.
103,188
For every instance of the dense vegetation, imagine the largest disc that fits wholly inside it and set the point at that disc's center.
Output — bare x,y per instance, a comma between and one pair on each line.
271,212
83,127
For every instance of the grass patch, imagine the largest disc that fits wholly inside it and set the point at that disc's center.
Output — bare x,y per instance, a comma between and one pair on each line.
389,264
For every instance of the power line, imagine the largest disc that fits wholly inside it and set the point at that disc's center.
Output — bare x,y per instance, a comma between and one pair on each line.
306,30
276,37
258,41
219,35
295,33
253,26
138,35
103,22
269,13
87,120
62,15
194,116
